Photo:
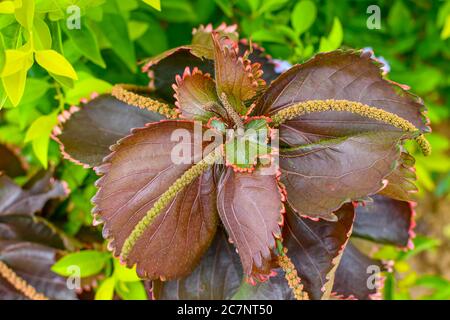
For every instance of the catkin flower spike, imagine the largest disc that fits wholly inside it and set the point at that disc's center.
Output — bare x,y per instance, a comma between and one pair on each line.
20,284
187,178
290,273
129,94
361,109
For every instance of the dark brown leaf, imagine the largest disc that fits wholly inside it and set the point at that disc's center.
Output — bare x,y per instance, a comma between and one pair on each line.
10,162
137,173
88,133
193,92
32,263
347,75
357,276
250,207
320,177
275,288
31,229
401,182
163,68
15,200
217,277
385,220
314,246
235,75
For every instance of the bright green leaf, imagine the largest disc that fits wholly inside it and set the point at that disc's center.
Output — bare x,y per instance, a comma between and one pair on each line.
334,39
303,16
16,60
154,3
131,290
86,43
89,262
106,290
39,135
41,35
123,273
7,7
55,63
25,14
14,85
65,81
446,29
84,87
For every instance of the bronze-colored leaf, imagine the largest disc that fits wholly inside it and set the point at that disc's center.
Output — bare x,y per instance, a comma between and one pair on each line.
348,75
250,207
202,35
217,277
274,288
320,177
136,174
10,162
385,220
357,276
401,182
32,263
235,75
314,246
15,200
163,68
194,91
86,135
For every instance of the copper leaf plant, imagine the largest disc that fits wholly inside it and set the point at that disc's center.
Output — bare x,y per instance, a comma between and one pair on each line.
323,158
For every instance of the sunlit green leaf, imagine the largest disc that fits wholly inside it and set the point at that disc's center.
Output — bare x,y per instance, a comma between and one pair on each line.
89,262
303,16
106,290
55,63
154,3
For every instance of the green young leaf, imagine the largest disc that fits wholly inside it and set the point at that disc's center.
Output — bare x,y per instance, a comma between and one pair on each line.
41,35
16,60
115,30
89,262
334,39
85,86
25,13
55,63
85,42
106,290
154,3
303,16
39,135
123,273
64,81
14,86
131,290
7,7
14,73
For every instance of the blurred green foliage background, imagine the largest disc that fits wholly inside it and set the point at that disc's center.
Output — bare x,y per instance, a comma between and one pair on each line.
46,67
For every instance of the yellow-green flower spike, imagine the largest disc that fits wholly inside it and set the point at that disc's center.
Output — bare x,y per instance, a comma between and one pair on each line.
128,93
20,284
187,178
361,109
291,275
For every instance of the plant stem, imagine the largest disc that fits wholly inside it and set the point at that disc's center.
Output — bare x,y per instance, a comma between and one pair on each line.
361,109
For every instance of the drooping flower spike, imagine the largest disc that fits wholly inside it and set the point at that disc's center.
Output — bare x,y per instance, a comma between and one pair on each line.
341,128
